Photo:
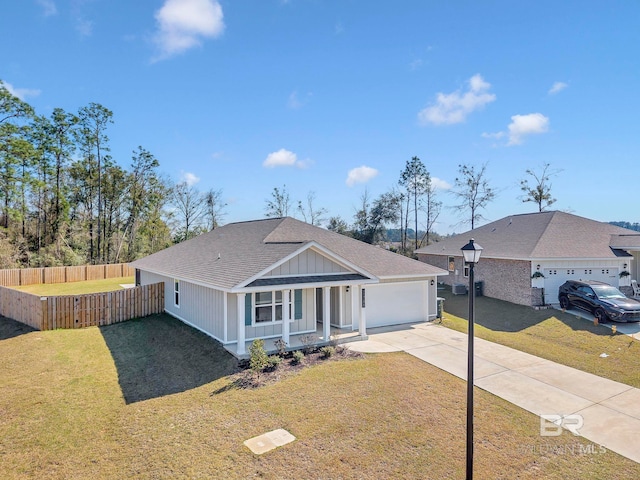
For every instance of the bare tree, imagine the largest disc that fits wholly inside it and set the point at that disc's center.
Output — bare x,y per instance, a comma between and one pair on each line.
189,209
214,208
432,209
279,204
539,190
311,214
473,191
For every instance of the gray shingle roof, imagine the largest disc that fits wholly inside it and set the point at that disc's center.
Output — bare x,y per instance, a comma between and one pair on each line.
232,254
537,235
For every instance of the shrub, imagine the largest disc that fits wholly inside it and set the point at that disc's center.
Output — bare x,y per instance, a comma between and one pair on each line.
281,345
298,357
308,342
258,356
274,361
328,351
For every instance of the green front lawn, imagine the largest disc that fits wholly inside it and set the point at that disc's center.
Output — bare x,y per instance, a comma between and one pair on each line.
77,288
153,398
551,334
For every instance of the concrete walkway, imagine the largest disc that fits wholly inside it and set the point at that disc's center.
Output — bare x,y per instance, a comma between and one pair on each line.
610,410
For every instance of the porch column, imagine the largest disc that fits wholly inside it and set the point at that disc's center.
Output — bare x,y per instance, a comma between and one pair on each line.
326,313
363,313
340,306
286,304
427,300
355,311
240,324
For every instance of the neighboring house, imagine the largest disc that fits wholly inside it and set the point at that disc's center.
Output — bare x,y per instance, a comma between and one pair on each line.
277,278
526,257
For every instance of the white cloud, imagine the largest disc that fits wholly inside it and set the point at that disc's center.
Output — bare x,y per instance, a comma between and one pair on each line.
496,135
416,64
48,7
294,101
183,23
360,175
84,26
439,184
557,87
284,158
189,178
21,93
523,125
450,108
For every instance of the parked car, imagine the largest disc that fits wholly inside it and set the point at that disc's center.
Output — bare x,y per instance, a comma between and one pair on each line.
604,301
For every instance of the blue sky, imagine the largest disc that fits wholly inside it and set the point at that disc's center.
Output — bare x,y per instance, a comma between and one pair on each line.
335,96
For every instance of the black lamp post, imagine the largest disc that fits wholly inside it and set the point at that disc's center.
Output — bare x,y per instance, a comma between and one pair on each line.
471,253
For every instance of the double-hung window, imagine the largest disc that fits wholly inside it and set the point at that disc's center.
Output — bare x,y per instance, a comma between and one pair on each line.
176,292
268,307
261,308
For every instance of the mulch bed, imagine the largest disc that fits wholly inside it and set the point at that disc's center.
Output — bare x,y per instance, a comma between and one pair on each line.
247,379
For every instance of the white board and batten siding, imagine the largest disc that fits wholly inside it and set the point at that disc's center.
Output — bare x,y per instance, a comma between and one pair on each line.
304,325
200,307
398,302
309,262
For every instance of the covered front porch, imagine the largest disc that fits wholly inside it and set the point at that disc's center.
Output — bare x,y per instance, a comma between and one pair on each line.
297,341
315,314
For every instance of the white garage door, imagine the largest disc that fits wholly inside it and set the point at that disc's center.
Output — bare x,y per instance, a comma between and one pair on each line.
394,303
556,277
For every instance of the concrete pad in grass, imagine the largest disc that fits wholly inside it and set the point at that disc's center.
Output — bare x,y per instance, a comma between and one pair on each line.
268,441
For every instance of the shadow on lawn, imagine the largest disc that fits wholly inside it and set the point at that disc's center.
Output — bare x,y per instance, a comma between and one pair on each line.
10,328
159,355
502,316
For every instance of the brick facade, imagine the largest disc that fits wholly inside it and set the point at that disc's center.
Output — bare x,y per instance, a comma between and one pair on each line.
508,280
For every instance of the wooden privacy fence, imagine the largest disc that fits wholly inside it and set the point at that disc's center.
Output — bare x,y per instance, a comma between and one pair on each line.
30,276
78,311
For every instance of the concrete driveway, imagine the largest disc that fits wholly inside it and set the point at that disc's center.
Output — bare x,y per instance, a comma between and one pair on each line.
609,411
630,329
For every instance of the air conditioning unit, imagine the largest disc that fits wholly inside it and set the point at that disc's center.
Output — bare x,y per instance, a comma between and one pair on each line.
459,289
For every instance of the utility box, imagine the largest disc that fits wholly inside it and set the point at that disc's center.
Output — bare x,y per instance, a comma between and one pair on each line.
459,289
479,286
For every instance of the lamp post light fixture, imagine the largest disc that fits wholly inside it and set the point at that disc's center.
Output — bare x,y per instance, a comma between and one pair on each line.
471,253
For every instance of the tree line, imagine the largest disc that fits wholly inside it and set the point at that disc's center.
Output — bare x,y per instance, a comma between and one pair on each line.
65,201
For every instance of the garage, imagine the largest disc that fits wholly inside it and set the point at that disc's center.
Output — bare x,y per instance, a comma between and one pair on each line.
554,277
382,303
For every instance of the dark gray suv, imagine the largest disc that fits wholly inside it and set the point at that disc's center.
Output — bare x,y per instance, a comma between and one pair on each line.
604,301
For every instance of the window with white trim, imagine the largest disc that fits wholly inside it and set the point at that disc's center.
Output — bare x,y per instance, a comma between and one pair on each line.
451,261
176,293
268,307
